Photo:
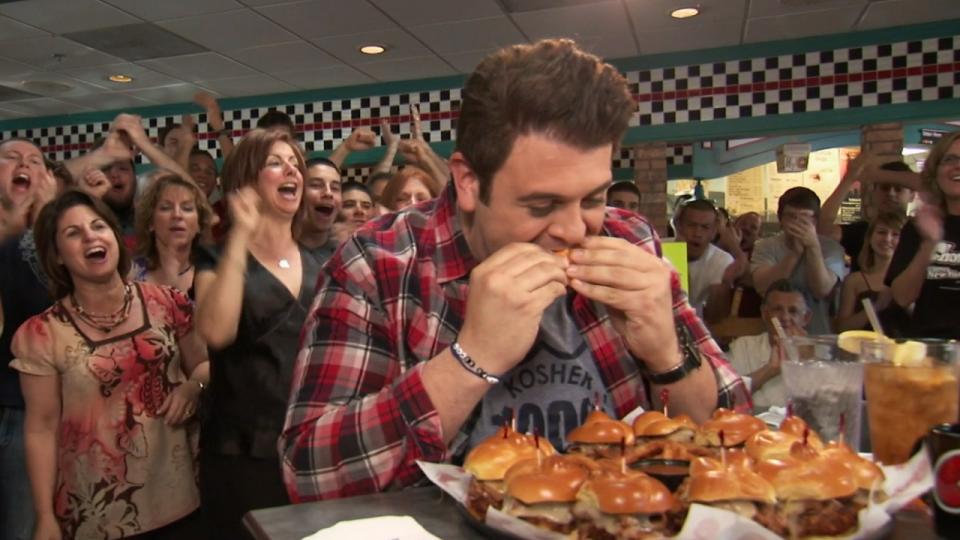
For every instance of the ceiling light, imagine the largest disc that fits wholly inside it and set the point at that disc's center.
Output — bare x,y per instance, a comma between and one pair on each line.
373,49
685,13
120,78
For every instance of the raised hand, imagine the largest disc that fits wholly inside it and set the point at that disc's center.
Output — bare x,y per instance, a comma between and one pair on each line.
132,126
244,208
509,292
928,220
117,146
389,137
211,107
361,138
416,131
94,182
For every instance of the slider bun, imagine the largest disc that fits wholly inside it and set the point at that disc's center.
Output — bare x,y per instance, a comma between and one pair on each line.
731,483
820,478
867,474
656,424
599,428
490,459
634,493
555,479
736,428
772,444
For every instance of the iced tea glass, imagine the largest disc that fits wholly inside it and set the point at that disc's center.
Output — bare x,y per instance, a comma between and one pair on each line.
908,392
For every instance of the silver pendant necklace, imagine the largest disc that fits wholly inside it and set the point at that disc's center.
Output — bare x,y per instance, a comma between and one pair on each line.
285,264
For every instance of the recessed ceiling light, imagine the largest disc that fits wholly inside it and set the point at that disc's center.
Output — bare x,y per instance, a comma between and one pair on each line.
685,13
373,49
120,78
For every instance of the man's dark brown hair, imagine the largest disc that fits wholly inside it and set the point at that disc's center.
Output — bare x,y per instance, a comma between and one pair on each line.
549,87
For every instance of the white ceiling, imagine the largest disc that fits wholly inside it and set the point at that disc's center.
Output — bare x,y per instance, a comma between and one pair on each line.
252,47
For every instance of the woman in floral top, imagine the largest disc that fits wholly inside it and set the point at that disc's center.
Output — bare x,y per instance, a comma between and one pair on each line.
111,376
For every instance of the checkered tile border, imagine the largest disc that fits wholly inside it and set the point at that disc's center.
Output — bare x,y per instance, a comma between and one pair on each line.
901,72
677,154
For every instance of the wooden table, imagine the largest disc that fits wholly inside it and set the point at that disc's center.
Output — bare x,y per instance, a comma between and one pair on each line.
438,514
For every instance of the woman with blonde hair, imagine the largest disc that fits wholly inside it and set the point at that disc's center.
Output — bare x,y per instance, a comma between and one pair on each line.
253,295
883,235
172,215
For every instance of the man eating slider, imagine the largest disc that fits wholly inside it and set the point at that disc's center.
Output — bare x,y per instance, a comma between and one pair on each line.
429,325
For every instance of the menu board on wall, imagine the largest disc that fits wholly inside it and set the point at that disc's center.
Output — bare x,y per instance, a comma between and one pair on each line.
745,192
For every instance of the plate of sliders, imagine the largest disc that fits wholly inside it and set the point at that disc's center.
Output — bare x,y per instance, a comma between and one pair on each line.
665,477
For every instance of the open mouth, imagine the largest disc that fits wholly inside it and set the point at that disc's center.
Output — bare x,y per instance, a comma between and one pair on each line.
178,229
324,210
97,254
21,182
289,189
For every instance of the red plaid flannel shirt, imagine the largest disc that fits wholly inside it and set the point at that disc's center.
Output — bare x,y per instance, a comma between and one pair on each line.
393,297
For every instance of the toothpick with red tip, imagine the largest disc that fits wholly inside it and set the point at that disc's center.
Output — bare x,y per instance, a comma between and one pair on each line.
665,399
596,401
806,434
623,455
513,420
536,442
843,426
723,451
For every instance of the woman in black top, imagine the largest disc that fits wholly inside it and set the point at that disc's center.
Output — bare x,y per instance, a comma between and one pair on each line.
250,307
925,270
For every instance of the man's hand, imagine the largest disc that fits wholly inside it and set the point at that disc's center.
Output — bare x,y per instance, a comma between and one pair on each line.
730,237
635,286
803,233
211,107
416,131
361,138
389,137
94,183
132,126
509,292
117,146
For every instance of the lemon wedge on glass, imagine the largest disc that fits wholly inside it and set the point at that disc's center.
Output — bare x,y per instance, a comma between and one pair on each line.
909,353
850,340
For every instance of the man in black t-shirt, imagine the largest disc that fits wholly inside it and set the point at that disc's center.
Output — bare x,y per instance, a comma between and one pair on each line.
892,187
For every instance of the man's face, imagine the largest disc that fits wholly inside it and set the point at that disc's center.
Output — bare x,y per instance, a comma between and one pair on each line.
749,226
626,200
697,228
789,307
547,193
123,185
322,196
891,197
795,215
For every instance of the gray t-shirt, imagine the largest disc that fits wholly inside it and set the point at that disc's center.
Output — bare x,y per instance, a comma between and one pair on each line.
770,251
552,390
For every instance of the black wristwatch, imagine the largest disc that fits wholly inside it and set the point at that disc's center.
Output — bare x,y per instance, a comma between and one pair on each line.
690,354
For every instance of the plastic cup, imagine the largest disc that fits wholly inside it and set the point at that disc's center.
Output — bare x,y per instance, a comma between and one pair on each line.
824,383
905,400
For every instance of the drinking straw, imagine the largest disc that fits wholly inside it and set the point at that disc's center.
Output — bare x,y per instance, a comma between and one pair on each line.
784,341
872,316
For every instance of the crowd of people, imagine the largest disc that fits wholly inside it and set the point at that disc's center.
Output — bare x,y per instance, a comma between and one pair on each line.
191,344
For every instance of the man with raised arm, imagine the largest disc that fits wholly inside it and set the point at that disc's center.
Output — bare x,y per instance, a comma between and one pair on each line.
517,289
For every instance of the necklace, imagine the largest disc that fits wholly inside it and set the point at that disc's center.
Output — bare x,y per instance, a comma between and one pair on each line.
105,322
284,263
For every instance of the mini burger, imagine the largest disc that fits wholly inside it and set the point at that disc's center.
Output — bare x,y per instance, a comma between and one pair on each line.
816,496
488,462
542,492
625,505
764,445
732,487
600,436
654,425
868,475
736,428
